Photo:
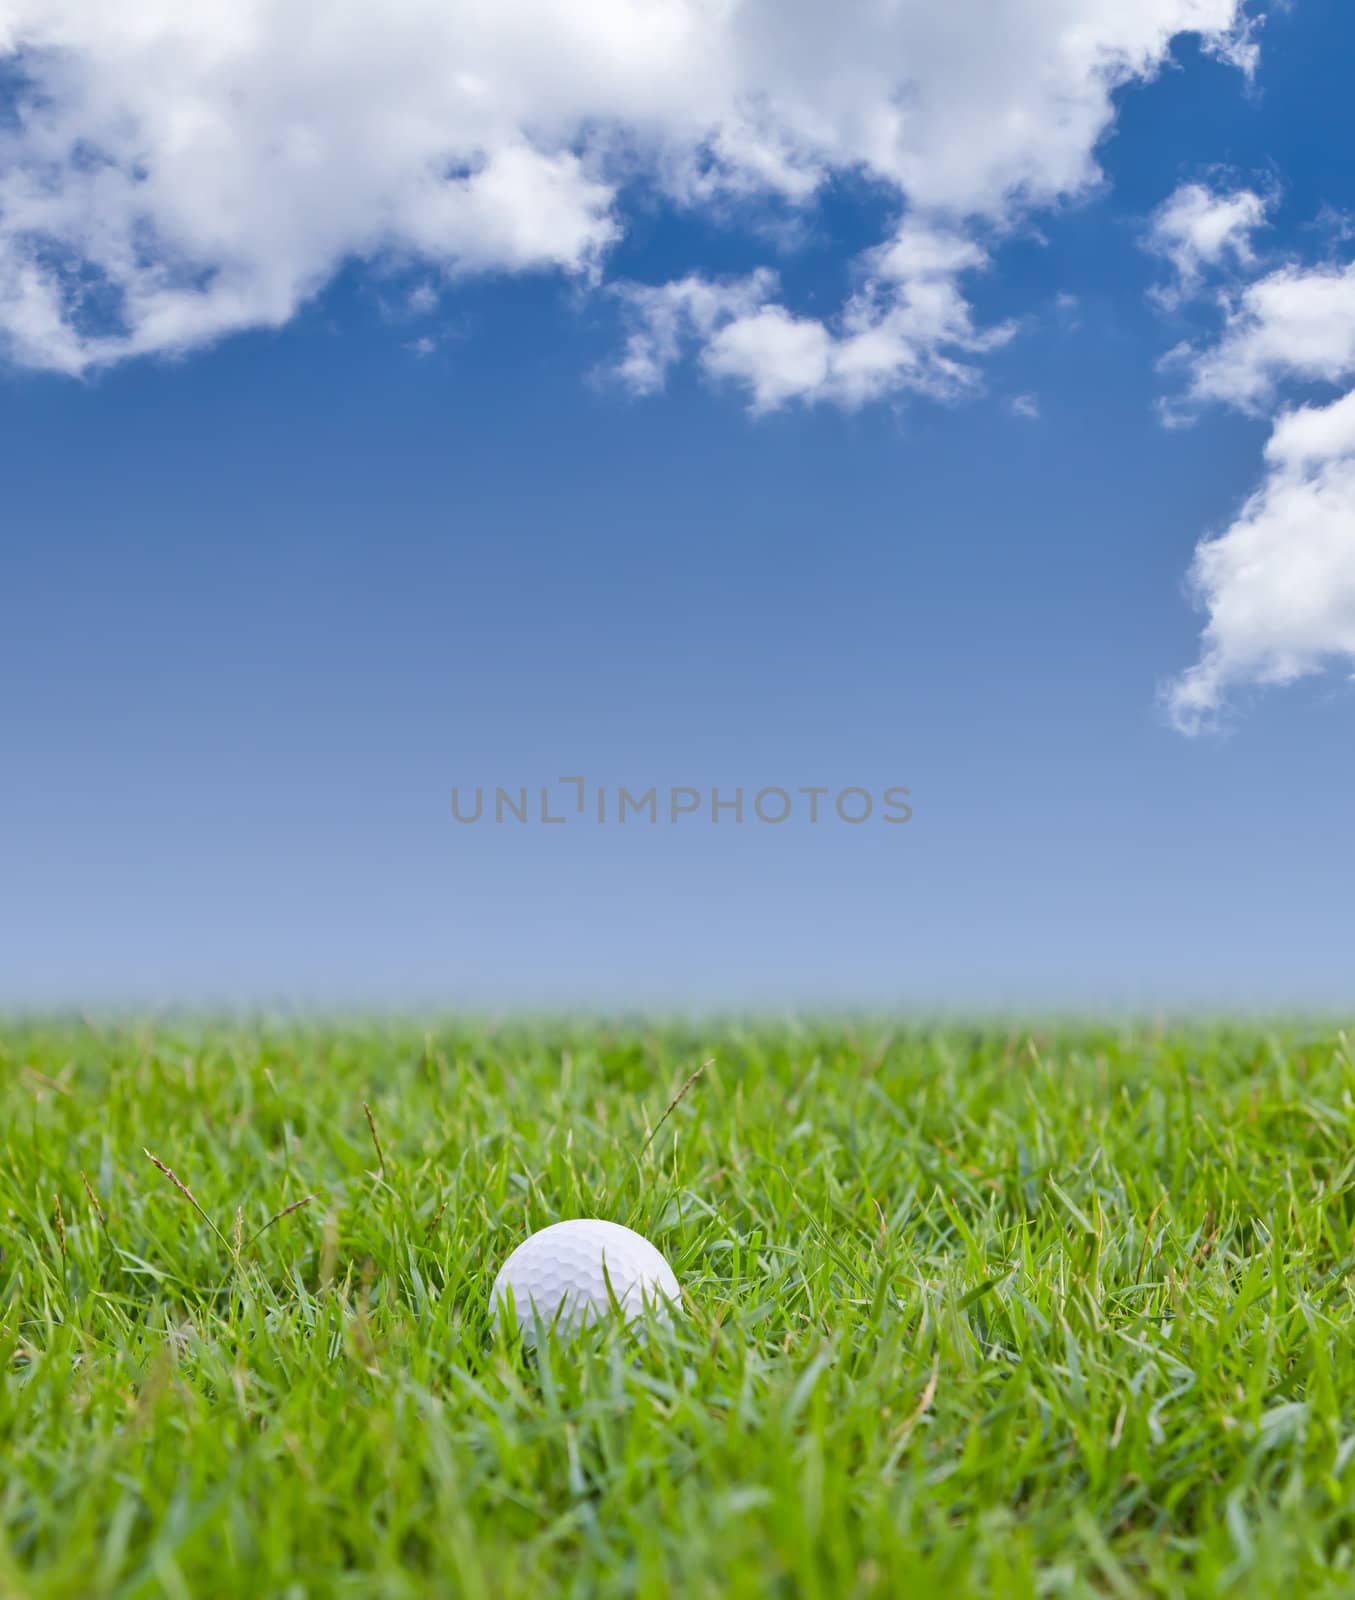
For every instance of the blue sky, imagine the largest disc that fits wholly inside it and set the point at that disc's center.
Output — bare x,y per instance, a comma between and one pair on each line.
679,444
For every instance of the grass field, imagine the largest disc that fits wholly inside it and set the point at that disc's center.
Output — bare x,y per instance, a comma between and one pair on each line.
973,1312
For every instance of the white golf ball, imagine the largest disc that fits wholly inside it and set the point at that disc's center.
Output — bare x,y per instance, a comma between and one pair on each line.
560,1276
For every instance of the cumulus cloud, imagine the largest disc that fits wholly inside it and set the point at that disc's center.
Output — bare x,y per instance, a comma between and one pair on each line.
172,173
1197,227
1279,584
1295,323
906,327
667,318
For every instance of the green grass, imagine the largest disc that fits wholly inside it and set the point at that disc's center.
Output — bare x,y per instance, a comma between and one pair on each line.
969,1312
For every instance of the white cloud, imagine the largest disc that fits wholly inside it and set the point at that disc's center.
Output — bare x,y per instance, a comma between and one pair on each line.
1025,405
906,327
1238,45
777,356
668,317
1296,323
178,172
1279,584
1196,227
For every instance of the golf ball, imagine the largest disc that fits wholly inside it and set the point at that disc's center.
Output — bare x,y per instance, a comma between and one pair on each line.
560,1276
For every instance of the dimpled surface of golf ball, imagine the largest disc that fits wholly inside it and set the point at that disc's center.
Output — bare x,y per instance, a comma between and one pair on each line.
557,1276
